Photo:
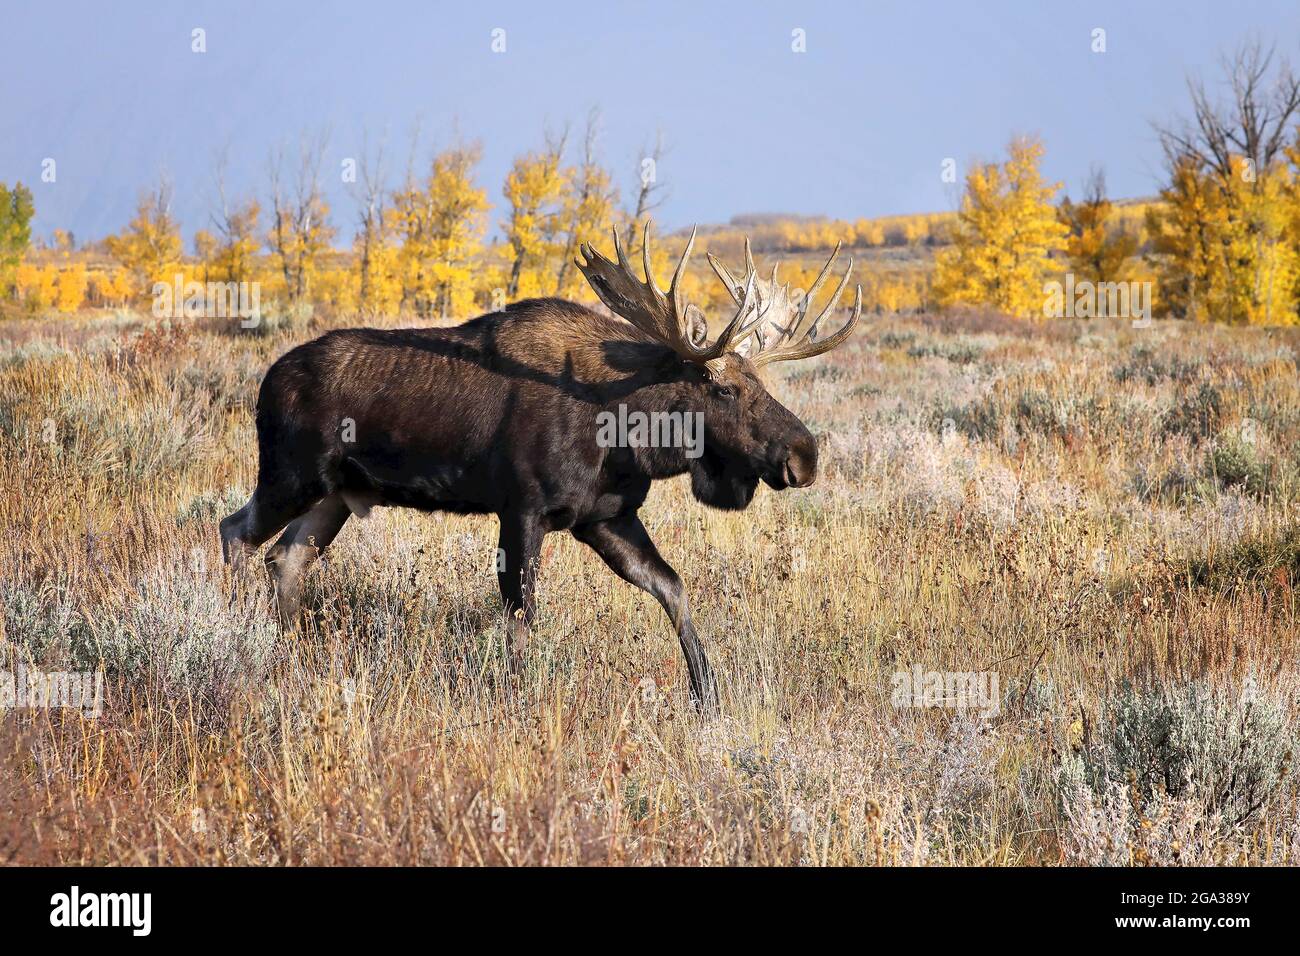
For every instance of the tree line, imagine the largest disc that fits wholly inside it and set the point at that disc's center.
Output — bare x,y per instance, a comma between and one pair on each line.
1221,242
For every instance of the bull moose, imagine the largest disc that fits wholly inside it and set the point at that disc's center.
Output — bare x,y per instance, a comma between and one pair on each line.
499,415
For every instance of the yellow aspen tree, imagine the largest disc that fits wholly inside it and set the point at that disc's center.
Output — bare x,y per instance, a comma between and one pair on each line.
1225,246
442,224
588,211
37,286
205,250
229,251
377,268
1005,234
375,257
533,190
384,289
109,288
407,221
72,284
1097,247
459,222
914,230
99,292
334,286
149,248
238,241
869,232
1262,260
1291,214
299,232
589,214
1187,234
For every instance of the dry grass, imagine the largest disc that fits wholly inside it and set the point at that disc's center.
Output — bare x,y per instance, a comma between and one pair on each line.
1103,516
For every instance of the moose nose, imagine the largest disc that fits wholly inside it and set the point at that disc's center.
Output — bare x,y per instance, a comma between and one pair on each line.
801,467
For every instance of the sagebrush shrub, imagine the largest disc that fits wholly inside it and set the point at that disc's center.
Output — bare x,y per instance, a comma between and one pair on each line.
1229,751
1195,414
1146,366
1238,463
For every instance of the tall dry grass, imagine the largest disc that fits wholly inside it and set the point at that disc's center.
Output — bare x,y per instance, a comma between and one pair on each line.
1104,517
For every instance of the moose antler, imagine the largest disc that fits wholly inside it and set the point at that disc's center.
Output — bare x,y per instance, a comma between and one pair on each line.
781,332
769,325
669,319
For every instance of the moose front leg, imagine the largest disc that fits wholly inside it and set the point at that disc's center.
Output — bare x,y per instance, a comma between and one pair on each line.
625,546
519,553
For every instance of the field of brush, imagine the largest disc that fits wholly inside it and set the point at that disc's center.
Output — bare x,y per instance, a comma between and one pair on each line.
1103,517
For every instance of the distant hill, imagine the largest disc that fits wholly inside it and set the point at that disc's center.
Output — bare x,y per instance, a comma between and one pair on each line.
749,219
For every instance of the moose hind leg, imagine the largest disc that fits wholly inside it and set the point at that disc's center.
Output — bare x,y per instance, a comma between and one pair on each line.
624,544
518,555
298,548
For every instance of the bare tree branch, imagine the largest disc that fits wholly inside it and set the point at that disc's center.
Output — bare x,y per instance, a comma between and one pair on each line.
1254,126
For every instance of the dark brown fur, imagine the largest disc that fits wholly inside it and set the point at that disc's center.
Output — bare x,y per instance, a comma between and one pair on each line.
499,415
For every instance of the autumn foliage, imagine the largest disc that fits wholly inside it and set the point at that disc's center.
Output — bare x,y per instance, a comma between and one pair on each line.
1221,241
1005,234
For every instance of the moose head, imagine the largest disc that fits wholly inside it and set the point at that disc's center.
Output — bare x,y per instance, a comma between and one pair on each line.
748,435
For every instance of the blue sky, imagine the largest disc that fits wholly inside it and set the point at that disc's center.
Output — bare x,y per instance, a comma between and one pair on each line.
858,125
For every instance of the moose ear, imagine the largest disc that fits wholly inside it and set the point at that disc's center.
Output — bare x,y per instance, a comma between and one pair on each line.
697,327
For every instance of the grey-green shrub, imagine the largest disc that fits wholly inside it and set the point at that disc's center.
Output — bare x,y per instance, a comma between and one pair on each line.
1230,751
